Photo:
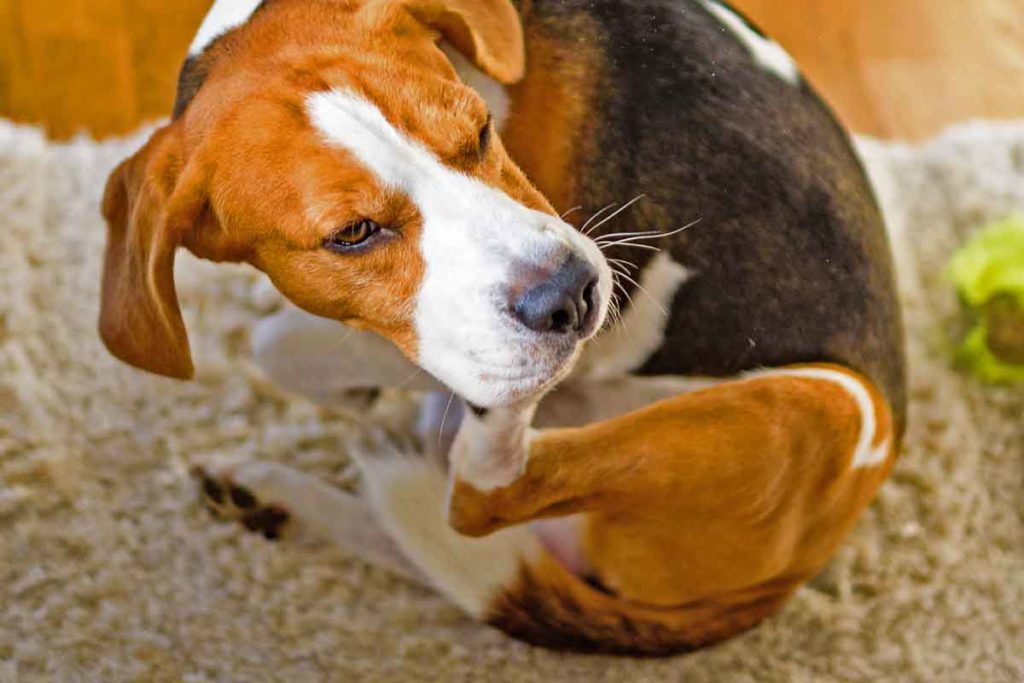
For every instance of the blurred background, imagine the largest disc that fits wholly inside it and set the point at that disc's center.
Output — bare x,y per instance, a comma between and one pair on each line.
892,69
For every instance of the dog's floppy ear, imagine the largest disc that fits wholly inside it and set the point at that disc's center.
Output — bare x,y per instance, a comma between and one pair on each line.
488,32
152,201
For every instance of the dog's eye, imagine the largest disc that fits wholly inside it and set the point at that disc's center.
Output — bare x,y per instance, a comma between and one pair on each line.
485,135
352,235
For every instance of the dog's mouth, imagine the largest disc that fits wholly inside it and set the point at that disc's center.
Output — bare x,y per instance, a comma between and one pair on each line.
530,359
496,385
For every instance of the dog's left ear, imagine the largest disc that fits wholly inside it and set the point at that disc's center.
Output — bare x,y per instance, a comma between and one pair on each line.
488,32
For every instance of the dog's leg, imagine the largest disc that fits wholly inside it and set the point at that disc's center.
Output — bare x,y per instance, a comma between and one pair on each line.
326,361
756,463
276,500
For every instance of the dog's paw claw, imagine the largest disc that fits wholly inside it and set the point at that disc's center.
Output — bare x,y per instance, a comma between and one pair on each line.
226,499
268,520
212,489
242,497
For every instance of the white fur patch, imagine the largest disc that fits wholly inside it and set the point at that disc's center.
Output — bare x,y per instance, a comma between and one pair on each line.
492,452
223,16
492,92
475,239
767,53
641,331
323,359
866,454
409,496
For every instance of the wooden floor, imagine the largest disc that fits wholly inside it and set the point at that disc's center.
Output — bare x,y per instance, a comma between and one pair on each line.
905,68
99,65
893,68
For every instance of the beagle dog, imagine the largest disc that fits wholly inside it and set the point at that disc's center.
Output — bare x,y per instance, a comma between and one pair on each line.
626,234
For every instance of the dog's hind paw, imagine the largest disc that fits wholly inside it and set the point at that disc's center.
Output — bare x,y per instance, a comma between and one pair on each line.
243,492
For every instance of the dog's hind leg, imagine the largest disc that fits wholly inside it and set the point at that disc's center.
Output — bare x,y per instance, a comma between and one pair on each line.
277,500
748,482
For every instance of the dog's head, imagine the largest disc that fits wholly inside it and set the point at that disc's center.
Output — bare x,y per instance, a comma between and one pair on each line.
333,146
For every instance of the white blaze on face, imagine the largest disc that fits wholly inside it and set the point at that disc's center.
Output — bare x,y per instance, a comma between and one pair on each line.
223,16
767,53
475,241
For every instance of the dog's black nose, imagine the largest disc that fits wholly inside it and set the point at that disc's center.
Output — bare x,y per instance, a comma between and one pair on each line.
563,304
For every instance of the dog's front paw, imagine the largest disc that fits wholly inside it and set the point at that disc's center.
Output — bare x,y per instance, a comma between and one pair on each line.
472,512
240,492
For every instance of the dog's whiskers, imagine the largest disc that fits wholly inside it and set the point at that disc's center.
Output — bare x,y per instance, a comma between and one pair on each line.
571,211
630,238
614,311
444,416
583,228
621,287
628,234
622,208
623,263
621,320
648,247
617,269
648,294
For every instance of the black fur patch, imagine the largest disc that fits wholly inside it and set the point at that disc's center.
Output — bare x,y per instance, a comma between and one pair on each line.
790,256
551,618
542,613
190,79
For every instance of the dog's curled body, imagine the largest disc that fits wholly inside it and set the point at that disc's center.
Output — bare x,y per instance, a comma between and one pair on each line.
712,446
786,256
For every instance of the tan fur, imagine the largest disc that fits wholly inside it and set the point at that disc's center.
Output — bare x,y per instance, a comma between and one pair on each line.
559,90
726,497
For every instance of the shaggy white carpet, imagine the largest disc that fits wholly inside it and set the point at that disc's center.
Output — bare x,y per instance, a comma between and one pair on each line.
111,571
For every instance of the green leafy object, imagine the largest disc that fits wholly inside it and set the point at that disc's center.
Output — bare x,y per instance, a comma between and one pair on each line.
990,266
991,263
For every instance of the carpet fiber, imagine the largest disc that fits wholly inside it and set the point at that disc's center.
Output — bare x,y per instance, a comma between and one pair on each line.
110,570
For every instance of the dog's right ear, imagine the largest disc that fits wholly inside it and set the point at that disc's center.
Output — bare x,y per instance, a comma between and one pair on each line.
151,203
489,33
